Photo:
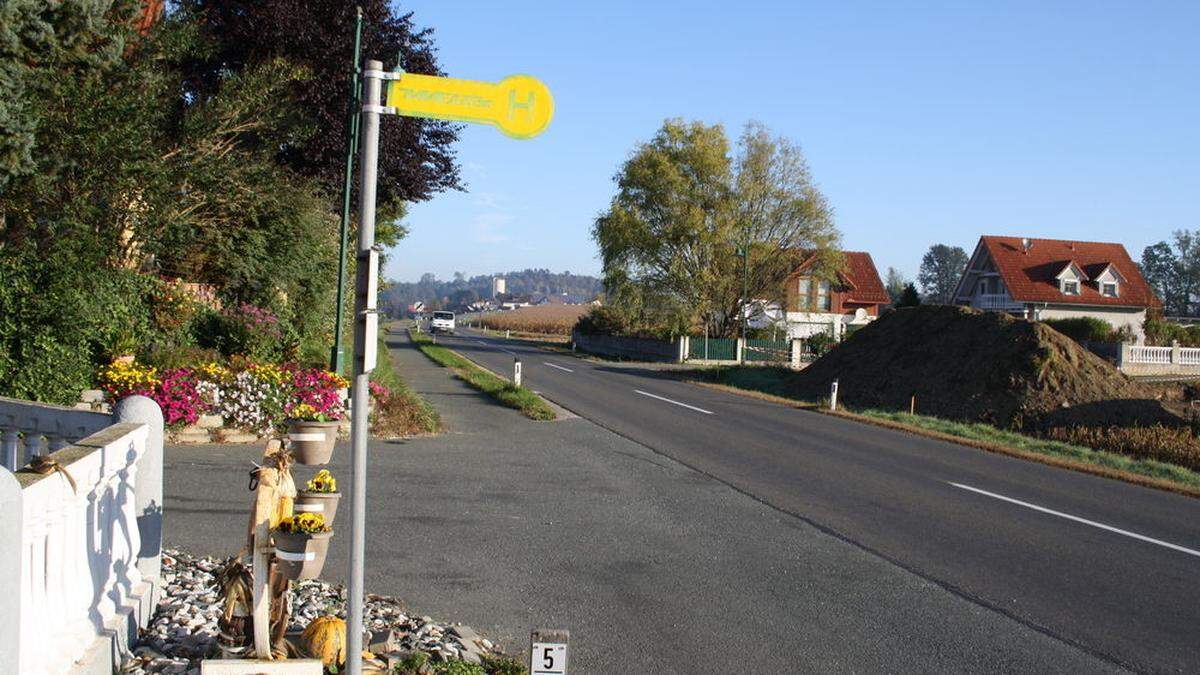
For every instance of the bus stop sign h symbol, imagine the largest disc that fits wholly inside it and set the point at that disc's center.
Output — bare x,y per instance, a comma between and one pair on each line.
521,107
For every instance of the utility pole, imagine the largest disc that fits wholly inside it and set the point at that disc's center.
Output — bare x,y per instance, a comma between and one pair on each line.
337,357
364,360
745,253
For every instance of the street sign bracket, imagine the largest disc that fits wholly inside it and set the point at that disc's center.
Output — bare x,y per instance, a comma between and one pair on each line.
380,109
383,74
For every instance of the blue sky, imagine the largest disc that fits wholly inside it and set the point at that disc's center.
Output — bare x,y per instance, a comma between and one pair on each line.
922,122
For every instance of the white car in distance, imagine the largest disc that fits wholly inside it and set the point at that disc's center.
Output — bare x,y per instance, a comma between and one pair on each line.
442,322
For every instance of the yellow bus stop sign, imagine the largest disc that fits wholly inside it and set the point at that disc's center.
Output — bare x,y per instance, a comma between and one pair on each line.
519,105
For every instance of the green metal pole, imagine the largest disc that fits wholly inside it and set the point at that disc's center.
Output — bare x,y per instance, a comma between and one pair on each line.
338,358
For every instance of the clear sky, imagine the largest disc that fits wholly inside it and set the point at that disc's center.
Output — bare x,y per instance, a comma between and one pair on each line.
922,122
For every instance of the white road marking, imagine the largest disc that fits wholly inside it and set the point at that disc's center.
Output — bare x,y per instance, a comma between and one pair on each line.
683,405
1085,521
488,344
557,366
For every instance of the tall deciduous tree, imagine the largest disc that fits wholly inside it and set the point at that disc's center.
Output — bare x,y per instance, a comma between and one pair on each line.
895,283
689,207
941,269
416,156
1173,271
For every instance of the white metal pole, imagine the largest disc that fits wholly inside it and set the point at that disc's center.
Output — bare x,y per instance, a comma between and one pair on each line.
364,307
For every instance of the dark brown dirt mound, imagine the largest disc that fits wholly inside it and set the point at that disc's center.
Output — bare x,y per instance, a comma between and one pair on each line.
979,366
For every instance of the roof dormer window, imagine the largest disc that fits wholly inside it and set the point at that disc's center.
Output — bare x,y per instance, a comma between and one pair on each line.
1070,286
1109,289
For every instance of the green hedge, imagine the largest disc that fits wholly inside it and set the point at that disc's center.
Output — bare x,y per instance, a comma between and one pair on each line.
1083,329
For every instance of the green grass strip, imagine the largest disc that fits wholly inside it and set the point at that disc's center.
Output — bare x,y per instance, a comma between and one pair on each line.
529,403
773,383
989,434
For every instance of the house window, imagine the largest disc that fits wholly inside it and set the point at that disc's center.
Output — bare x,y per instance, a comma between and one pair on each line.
1108,289
1070,287
823,303
803,294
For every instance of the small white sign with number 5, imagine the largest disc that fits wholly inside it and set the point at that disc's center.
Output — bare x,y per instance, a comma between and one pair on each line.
548,658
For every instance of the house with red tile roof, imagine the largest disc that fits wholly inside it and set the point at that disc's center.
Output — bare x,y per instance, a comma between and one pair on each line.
818,305
1056,279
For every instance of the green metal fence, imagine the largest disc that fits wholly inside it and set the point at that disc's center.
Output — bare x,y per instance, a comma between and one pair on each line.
712,349
770,351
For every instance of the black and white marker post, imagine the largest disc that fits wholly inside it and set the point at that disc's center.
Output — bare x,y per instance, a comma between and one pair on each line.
366,336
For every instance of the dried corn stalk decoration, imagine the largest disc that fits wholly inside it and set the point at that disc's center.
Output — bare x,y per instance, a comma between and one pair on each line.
275,493
236,624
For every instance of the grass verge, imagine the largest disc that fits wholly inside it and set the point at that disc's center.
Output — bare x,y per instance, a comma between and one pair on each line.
404,413
767,384
529,403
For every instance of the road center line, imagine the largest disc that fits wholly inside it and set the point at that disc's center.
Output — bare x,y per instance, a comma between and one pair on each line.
557,366
682,405
1085,521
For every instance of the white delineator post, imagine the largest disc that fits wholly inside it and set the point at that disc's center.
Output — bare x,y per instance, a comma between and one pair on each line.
833,392
364,352
517,372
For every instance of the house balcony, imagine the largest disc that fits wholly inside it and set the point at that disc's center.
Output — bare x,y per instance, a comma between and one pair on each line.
996,302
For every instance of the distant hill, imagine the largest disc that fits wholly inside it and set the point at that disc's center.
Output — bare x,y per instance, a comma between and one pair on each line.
435,292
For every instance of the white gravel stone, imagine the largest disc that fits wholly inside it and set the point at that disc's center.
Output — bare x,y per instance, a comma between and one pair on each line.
184,628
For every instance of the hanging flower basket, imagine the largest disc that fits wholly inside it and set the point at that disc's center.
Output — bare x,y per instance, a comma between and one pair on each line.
319,496
301,543
311,441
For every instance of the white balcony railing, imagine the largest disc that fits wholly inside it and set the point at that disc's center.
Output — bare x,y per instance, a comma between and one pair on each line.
999,301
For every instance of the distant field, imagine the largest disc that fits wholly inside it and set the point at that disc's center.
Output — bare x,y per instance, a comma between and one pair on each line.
550,319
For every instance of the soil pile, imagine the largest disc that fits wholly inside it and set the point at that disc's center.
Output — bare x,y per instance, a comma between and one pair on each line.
980,366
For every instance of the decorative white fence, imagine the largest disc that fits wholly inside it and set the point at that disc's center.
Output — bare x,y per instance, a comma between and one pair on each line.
1160,355
80,545
1158,361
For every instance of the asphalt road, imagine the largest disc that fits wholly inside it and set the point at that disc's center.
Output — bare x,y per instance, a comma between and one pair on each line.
507,524
1110,568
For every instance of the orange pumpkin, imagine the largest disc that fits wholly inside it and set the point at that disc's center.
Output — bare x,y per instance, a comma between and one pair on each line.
325,639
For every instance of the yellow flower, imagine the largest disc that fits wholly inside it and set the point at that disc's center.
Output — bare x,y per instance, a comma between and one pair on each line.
304,411
306,523
322,482
120,376
213,372
267,372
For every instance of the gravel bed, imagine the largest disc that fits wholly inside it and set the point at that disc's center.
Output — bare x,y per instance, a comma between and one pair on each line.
183,630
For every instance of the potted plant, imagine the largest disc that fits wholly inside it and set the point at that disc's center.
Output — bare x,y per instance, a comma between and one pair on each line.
311,434
320,495
301,542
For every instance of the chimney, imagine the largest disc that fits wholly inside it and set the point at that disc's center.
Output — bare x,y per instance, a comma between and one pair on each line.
1026,243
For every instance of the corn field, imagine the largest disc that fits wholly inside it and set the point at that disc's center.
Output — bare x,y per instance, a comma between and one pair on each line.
547,319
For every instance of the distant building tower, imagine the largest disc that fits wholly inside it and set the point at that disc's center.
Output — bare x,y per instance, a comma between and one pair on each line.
498,287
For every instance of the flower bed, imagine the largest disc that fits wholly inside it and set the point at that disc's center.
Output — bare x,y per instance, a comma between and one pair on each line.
249,396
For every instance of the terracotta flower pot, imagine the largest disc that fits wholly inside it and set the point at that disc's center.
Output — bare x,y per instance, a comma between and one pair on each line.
301,556
324,503
312,442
